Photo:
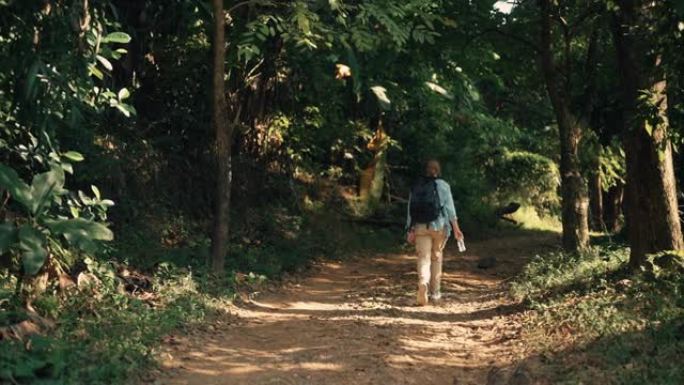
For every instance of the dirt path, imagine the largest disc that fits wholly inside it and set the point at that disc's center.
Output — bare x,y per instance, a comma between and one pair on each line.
354,323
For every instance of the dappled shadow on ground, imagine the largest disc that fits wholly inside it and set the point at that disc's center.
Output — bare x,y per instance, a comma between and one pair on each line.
354,322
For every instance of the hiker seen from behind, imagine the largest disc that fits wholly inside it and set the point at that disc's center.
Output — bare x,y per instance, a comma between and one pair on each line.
431,218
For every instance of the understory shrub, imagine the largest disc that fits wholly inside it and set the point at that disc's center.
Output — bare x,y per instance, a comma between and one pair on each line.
594,321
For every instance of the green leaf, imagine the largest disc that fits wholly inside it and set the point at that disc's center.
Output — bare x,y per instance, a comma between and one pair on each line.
125,109
303,23
381,93
124,94
18,189
117,37
73,156
96,191
105,63
81,232
8,235
31,242
32,80
439,89
67,167
44,186
95,71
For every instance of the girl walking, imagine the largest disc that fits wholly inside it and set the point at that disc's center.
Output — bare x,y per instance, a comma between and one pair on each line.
431,218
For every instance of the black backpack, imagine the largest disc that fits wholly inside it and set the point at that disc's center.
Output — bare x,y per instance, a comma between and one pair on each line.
425,204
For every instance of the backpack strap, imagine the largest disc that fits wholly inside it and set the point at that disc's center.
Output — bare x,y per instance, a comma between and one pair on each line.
439,200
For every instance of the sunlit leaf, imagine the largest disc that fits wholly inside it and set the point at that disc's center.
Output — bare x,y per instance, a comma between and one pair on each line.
439,89
96,191
67,167
73,156
342,71
125,109
381,93
94,71
117,37
105,62
124,94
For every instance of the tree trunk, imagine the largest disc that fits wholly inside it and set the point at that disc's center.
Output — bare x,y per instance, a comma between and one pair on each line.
372,178
224,134
651,196
574,200
596,200
612,209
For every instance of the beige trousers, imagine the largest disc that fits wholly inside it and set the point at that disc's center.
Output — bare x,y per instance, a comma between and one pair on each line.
429,246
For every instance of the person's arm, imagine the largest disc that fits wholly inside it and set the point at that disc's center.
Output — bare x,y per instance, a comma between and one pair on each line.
410,234
451,213
408,214
458,234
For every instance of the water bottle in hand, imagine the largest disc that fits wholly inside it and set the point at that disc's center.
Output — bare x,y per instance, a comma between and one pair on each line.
461,245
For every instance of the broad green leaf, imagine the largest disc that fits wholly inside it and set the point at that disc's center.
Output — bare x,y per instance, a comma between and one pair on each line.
96,191
117,37
32,245
381,93
92,68
124,94
73,156
105,62
81,232
107,202
125,109
91,229
44,186
67,167
439,89
8,234
18,189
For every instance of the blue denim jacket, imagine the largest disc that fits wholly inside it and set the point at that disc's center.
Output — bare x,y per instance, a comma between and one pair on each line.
446,215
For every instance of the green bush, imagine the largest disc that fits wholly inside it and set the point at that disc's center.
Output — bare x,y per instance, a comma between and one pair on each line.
589,308
104,334
529,178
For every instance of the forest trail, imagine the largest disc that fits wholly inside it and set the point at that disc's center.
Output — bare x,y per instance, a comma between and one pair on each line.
354,322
